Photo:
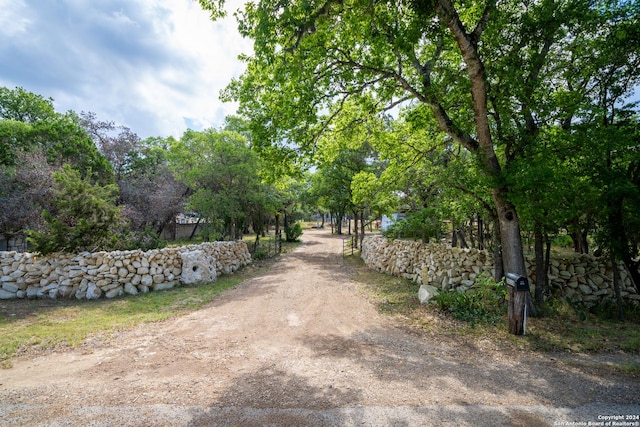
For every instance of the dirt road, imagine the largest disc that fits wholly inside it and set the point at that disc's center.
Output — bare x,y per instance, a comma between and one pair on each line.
300,345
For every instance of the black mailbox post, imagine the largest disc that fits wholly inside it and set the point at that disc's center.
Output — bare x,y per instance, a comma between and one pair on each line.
519,284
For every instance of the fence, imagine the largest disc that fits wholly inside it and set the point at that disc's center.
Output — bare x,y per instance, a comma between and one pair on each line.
266,247
348,244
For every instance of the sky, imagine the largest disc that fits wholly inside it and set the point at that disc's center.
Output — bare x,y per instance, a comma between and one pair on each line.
155,66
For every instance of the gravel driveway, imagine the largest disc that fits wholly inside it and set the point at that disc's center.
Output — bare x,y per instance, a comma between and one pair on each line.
301,345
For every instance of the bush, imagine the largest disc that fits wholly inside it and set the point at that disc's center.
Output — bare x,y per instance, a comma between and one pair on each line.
85,217
144,240
293,233
424,224
563,241
485,302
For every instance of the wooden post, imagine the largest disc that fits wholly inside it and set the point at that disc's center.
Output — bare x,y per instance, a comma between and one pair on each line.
518,291
517,301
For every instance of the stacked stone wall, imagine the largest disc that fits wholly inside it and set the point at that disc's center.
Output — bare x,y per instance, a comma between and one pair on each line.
108,274
585,279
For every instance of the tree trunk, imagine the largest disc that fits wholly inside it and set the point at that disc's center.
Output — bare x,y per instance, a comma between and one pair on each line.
454,235
547,261
277,228
463,241
480,234
513,259
471,228
580,242
498,263
616,285
541,273
362,228
355,229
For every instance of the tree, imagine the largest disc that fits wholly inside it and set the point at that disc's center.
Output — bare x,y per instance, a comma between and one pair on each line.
35,140
23,106
222,172
149,182
84,216
25,189
117,143
455,59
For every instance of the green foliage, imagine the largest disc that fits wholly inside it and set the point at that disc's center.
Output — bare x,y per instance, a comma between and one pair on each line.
293,232
485,302
425,224
223,174
145,240
28,123
563,241
85,216
23,106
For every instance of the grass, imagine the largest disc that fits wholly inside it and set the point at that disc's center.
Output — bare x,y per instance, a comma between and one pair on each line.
29,325
562,328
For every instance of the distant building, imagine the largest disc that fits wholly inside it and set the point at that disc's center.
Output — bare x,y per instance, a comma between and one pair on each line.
389,221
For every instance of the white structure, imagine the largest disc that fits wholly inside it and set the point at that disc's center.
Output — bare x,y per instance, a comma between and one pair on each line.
389,221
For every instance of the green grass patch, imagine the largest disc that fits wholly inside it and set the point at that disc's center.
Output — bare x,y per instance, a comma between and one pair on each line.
480,314
27,325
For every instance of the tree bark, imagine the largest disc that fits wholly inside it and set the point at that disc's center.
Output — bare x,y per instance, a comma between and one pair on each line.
362,228
616,286
355,229
541,273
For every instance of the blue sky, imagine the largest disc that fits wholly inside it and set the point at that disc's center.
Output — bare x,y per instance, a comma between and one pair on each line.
156,66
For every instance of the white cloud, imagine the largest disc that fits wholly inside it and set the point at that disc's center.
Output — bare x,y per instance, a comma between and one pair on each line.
13,19
152,65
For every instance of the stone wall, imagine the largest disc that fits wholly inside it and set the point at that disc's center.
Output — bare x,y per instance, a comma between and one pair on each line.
111,274
585,279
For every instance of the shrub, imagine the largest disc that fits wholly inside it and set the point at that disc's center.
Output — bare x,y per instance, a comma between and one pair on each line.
293,232
145,240
485,302
424,224
85,217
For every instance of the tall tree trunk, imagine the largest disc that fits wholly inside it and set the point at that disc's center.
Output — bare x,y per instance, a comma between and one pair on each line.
461,238
355,228
454,235
616,285
498,263
471,228
547,261
480,233
362,228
